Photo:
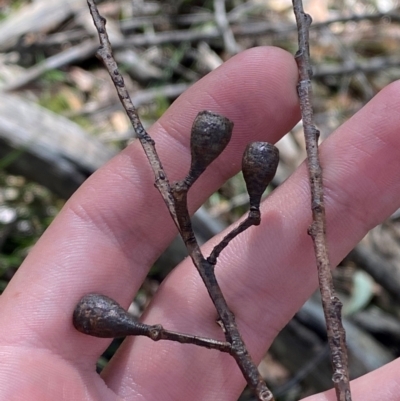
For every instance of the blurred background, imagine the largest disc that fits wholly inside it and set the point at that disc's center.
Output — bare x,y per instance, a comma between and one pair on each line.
60,120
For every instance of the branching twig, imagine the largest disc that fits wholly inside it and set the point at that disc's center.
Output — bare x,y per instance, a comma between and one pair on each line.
210,135
102,317
331,303
252,219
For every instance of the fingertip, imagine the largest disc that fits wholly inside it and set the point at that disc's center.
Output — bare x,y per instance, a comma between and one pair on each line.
381,384
255,84
391,92
256,89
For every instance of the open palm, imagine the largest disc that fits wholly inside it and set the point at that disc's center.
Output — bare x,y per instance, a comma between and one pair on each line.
113,229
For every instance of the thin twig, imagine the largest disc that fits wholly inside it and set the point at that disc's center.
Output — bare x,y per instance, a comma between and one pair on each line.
252,219
175,198
105,53
331,303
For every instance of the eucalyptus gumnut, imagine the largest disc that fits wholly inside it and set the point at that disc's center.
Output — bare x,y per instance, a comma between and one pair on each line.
210,134
259,164
100,316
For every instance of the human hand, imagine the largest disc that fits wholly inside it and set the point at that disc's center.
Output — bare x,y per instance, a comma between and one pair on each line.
113,229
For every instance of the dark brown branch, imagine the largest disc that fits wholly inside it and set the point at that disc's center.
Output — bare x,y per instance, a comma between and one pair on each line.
331,303
176,201
206,271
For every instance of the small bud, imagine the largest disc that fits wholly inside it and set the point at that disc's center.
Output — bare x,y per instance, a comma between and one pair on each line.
259,164
211,133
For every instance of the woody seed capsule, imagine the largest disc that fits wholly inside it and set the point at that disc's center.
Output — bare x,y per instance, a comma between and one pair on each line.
259,164
210,134
100,316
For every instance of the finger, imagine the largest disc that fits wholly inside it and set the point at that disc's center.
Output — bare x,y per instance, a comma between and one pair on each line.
268,272
382,384
109,234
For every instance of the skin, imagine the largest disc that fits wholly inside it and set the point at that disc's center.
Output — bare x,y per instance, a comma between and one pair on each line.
107,237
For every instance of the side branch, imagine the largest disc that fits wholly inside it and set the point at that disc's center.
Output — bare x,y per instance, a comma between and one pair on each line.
330,302
100,316
252,219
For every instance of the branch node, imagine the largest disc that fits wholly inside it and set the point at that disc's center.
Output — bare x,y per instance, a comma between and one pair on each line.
155,332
